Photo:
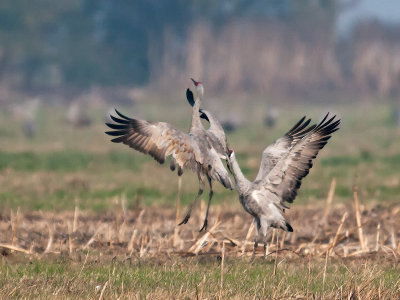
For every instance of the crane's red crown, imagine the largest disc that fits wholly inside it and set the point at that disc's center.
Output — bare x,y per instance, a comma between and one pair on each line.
196,83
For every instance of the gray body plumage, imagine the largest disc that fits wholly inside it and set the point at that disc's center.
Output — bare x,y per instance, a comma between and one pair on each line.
283,165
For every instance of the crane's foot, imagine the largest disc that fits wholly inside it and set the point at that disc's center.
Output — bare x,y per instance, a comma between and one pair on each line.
265,251
254,251
204,226
185,220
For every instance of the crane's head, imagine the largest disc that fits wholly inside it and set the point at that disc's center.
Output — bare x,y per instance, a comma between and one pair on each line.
199,87
230,155
196,83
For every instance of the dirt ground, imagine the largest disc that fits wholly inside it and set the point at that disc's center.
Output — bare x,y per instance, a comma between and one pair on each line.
151,232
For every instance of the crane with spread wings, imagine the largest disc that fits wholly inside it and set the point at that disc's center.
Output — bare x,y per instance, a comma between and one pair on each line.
193,150
284,164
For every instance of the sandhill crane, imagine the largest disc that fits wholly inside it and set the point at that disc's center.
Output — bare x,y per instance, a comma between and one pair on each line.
215,136
271,117
229,125
77,115
27,113
160,140
212,139
283,165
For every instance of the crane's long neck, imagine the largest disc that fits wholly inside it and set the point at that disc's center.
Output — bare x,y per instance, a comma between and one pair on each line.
241,182
196,123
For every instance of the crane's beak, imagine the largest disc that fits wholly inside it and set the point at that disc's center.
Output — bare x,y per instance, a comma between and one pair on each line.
194,81
229,168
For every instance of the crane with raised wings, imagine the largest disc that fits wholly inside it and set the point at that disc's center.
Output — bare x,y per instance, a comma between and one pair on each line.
283,165
191,150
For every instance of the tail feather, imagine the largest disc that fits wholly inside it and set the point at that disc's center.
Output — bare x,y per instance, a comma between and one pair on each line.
288,227
180,171
172,165
283,225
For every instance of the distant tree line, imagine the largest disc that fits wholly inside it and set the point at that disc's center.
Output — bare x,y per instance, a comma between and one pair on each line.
85,42
280,45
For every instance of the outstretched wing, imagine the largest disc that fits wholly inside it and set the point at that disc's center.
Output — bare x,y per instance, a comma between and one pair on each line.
285,178
281,147
158,139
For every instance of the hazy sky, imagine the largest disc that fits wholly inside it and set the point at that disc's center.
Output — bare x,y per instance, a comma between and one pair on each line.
384,10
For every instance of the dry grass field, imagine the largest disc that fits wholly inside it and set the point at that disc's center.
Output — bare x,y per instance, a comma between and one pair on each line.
81,217
142,253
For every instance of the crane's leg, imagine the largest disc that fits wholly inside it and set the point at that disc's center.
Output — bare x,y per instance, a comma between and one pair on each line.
200,191
264,227
256,228
209,202
265,246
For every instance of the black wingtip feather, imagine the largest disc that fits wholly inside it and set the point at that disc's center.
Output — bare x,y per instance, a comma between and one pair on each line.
122,116
300,129
115,119
180,171
305,130
116,133
296,126
323,120
118,139
116,126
